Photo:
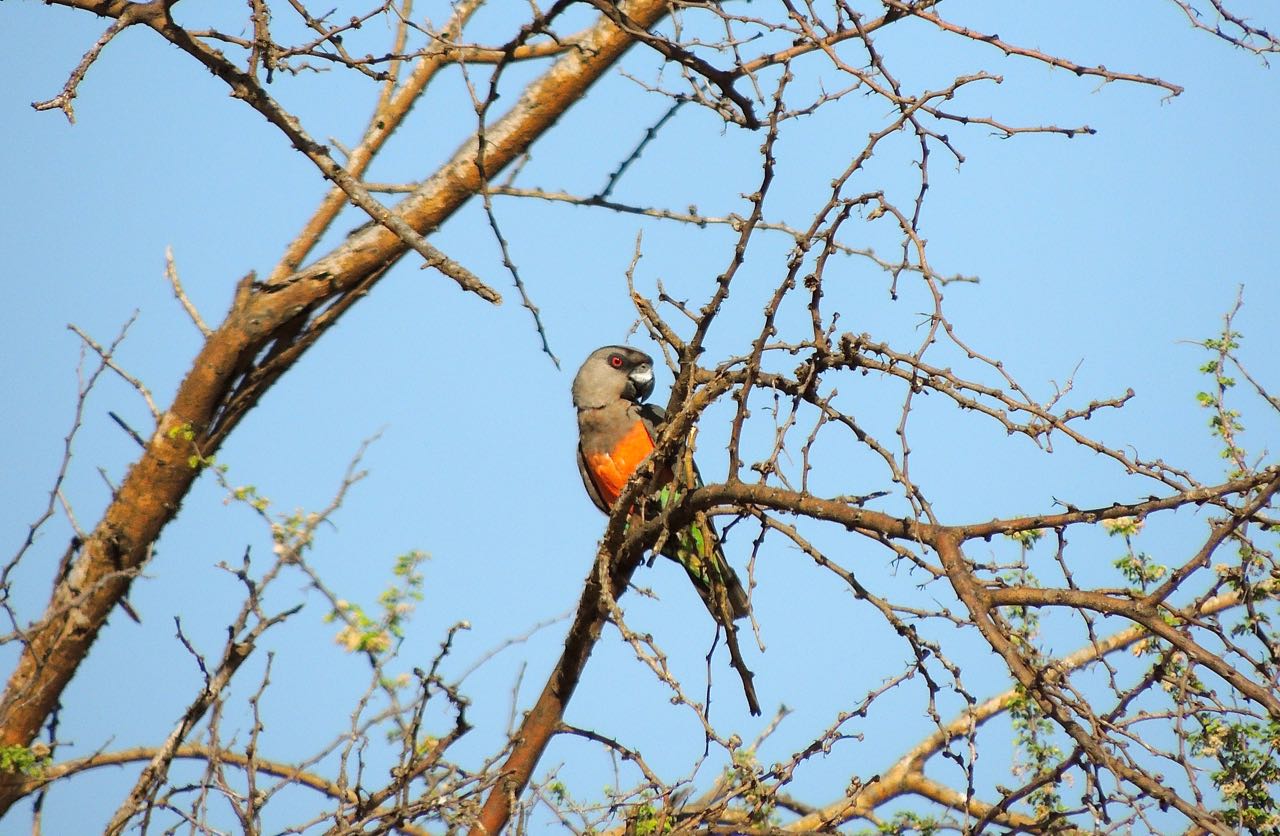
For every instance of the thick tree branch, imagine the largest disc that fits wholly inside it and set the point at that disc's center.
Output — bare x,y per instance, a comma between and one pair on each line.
152,491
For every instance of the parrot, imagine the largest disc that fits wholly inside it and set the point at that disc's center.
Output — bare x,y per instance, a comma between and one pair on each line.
616,434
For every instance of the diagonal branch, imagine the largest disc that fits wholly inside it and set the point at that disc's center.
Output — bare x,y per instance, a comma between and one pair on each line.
63,100
616,561
153,490
1052,60
978,602
722,79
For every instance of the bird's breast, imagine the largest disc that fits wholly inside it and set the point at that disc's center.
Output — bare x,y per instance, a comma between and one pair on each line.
611,469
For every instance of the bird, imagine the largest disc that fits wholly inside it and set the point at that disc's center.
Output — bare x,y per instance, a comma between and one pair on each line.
617,432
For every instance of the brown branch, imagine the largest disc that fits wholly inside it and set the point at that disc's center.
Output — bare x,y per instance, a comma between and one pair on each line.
237,649
245,86
152,491
1219,533
291,773
392,108
1253,38
171,273
270,325
853,516
893,783
979,603
110,363
619,554
63,100
190,751
86,385
1045,58
1140,612
543,720
806,46
723,79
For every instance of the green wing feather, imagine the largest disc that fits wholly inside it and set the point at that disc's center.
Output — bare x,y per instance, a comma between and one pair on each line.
697,548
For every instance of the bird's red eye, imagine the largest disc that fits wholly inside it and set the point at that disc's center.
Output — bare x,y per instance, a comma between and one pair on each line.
615,361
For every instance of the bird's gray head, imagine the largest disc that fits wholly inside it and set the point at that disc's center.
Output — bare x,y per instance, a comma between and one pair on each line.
612,373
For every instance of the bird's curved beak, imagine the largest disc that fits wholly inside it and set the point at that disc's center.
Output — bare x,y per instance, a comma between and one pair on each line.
641,379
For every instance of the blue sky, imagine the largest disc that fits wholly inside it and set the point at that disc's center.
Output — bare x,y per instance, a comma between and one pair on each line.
1104,253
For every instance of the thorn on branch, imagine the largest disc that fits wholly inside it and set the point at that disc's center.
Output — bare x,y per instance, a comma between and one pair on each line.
128,429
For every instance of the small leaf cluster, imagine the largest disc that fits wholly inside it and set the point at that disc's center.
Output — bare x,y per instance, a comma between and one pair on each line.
1249,772
1033,732
1033,735
23,760
186,432
362,632
1138,568
646,819
1225,422
758,796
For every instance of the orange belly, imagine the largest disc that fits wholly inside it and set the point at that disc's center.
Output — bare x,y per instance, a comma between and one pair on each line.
610,471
